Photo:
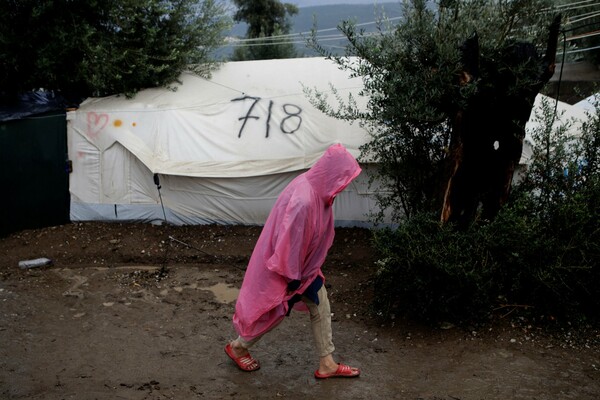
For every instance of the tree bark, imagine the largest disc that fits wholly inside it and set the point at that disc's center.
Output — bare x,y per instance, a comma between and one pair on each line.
488,133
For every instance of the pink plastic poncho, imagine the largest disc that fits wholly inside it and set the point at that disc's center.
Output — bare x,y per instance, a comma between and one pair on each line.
294,242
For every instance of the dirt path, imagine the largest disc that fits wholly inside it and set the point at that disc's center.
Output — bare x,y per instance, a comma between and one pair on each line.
103,324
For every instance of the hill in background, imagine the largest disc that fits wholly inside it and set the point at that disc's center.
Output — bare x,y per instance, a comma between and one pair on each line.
327,18
311,3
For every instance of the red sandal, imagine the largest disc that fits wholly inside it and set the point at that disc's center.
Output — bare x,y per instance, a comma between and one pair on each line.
343,371
246,363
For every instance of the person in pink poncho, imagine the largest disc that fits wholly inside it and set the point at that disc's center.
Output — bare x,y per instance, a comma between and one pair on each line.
284,271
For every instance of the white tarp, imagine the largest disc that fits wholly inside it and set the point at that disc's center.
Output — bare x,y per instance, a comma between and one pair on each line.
223,148
589,103
564,112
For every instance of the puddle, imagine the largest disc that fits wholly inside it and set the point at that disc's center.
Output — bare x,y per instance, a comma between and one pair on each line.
223,292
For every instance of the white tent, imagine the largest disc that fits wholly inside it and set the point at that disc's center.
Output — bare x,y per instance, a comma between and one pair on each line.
564,112
589,103
222,148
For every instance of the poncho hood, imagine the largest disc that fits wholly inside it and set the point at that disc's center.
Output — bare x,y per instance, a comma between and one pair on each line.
333,172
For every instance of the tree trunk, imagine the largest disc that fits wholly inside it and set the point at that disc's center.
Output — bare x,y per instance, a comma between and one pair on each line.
487,135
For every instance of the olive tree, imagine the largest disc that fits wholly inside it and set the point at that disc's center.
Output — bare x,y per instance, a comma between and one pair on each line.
81,48
449,90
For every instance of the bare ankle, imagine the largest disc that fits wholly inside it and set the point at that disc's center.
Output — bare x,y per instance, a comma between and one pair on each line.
238,348
327,363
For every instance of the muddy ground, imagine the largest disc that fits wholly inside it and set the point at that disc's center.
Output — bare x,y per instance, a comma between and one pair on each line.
137,311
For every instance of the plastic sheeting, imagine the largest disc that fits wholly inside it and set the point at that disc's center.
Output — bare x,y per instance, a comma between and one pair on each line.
293,244
32,103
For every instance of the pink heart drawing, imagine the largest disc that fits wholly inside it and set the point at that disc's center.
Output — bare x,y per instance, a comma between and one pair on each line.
95,123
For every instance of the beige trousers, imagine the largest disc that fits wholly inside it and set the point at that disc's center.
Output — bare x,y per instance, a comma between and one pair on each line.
320,321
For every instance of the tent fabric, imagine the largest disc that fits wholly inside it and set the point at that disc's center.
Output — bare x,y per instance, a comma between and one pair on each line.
589,103
564,112
250,119
293,244
223,148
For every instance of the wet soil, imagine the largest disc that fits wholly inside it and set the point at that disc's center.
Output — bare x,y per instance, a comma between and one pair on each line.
137,311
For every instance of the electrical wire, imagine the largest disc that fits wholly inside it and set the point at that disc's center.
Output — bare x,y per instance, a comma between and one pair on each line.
583,35
271,40
580,50
574,20
569,5
301,34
